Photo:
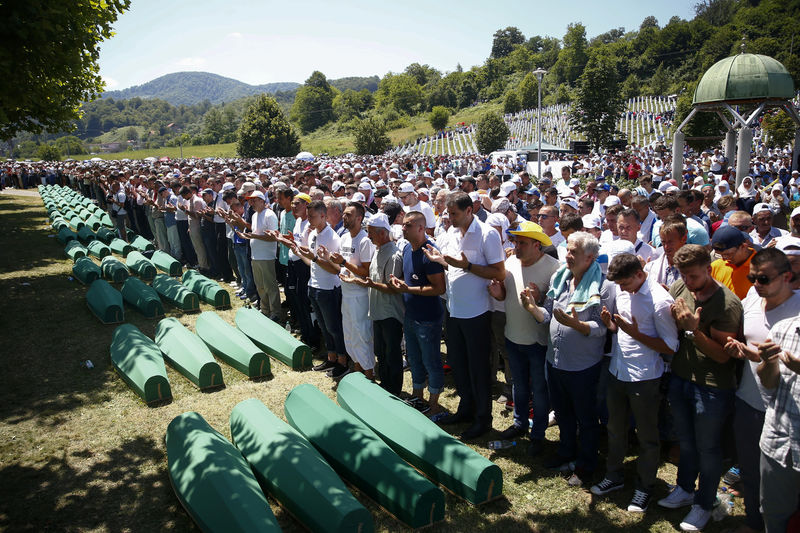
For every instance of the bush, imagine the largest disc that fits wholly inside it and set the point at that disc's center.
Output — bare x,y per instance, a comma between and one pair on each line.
48,152
370,137
439,117
265,132
492,133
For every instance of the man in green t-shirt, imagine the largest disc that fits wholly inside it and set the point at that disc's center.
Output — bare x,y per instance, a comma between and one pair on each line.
703,382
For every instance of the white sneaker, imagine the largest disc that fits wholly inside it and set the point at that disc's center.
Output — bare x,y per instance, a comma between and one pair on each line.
677,498
696,520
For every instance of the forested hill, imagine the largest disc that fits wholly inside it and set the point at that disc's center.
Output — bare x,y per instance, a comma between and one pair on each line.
190,88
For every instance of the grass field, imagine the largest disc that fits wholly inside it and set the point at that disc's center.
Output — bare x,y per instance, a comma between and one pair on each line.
80,452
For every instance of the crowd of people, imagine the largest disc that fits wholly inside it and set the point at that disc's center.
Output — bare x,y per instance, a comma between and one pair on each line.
608,294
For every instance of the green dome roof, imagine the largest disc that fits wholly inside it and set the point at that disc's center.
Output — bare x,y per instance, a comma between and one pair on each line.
744,77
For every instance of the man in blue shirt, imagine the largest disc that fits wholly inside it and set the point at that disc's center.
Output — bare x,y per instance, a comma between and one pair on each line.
421,286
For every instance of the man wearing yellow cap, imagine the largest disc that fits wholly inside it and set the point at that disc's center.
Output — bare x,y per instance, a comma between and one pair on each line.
525,338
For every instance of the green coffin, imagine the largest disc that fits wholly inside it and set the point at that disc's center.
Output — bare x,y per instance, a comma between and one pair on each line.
294,473
188,354
86,235
59,223
65,235
98,249
114,270
208,290
105,302
141,265
172,291
142,297
76,223
213,481
231,345
120,247
138,360
93,222
443,458
142,244
166,263
361,457
106,220
273,339
106,235
86,270
130,233
75,250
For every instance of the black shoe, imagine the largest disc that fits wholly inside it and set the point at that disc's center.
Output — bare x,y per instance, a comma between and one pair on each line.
340,372
535,448
475,431
325,365
455,418
512,432
639,502
559,463
606,486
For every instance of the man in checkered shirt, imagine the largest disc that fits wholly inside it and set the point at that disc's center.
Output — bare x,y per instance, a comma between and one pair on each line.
780,438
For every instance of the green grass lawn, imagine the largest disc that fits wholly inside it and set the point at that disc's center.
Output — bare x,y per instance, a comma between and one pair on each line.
79,451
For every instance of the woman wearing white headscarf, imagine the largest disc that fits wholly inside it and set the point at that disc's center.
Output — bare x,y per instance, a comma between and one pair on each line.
748,195
779,205
722,189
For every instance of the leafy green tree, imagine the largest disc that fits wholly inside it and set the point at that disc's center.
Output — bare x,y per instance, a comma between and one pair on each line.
439,117
48,152
504,40
265,132
400,90
423,74
572,57
48,62
659,83
598,102
701,125
492,133
69,145
313,105
370,137
511,103
467,92
351,104
631,87
780,129
529,92
25,150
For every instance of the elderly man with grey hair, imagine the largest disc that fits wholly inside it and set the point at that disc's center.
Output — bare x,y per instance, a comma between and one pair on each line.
572,307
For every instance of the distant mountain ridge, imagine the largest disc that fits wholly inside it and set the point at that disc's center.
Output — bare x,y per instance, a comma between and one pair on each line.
189,88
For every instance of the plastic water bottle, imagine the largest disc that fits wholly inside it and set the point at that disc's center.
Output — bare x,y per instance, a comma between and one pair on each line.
723,506
502,444
288,327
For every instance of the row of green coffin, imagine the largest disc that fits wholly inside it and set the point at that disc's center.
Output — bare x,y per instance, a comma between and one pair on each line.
368,446
106,302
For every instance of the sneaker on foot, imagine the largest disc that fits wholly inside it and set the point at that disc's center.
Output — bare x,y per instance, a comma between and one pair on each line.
339,373
732,476
512,432
696,520
639,502
677,498
606,486
325,365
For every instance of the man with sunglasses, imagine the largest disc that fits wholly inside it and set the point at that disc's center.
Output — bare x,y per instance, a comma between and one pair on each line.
770,300
547,218
736,251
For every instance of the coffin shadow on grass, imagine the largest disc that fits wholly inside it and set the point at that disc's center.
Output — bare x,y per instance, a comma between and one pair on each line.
113,492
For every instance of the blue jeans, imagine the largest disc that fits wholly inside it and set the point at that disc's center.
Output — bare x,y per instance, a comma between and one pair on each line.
699,413
574,398
245,269
423,350
327,305
528,376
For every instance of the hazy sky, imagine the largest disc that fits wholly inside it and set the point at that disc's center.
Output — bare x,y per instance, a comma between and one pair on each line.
267,41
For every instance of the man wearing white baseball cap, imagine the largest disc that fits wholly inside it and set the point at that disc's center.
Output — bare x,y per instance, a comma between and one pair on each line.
411,202
764,232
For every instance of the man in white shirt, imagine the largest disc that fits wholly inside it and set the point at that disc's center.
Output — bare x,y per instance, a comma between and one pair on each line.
408,195
673,235
472,255
628,227
354,259
263,250
645,329
764,232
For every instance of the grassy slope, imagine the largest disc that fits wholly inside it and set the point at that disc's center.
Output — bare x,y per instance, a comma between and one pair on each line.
80,452
325,140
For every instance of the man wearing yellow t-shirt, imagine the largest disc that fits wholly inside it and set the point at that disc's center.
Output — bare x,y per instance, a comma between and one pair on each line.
736,251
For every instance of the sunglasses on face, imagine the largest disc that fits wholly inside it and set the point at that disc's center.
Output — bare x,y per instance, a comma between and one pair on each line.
763,279
543,216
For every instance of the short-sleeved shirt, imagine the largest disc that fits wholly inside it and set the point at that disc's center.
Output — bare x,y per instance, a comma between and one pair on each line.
120,197
732,276
416,269
386,262
467,296
260,224
723,312
356,250
169,216
425,209
321,278
521,327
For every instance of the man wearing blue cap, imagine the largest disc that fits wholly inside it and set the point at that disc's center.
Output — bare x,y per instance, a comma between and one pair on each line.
732,269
